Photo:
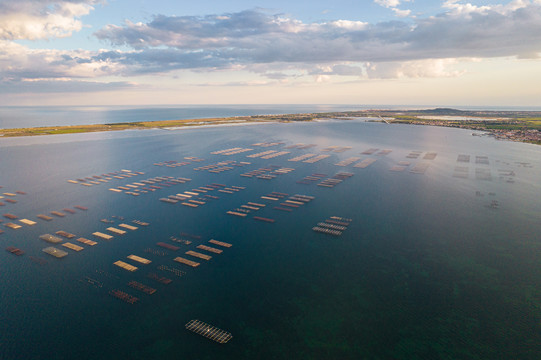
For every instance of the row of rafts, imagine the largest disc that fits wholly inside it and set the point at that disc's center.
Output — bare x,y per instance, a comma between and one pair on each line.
334,225
289,203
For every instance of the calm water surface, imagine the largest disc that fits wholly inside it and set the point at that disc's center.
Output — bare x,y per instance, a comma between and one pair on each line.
440,265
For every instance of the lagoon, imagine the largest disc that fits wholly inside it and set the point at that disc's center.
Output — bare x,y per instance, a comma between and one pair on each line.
443,264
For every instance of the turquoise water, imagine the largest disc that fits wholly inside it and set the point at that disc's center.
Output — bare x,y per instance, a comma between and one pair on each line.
428,269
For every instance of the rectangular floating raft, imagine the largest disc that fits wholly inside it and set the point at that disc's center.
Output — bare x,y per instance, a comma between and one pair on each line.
198,255
102,235
116,231
221,243
209,331
211,249
72,246
44,217
186,261
129,227
27,222
86,241
125,266
139,259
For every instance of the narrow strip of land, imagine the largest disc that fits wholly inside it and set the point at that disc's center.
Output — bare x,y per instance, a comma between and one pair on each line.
524,126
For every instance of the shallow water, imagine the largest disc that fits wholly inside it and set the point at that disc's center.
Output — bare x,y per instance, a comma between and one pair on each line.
433,266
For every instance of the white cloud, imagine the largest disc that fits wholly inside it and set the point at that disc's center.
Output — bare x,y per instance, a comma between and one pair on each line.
456,7
38,19
20,63
401,13
388,3
393,5
428,68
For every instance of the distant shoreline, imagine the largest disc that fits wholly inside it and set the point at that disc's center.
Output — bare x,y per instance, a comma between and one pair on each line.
523,126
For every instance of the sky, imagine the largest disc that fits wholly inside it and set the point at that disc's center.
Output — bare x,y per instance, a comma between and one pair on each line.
366,52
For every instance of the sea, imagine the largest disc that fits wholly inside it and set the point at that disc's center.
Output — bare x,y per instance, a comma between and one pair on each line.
37,116
437,256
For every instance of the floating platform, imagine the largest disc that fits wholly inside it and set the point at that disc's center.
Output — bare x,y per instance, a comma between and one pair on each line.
209,331
13,226
11,216
210,249
236,213
282,208
55,252
160,279
129,227
198,255
123,296
50,238
125,266
327,231
168,246
65,234
256,204
365,163
44,217
419,168
189,204
139,259
142,287
186,261
86,241
58,213
73,246
168,200
116,231
14,250
172,270
139,222
264,219
220,243
102,235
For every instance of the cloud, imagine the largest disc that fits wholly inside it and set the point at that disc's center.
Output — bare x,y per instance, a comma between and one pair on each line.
20,63
412,69
255,37
393,5
41,19
401,13
388,3
276,46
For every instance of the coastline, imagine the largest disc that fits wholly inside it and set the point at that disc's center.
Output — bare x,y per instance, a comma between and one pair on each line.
521,126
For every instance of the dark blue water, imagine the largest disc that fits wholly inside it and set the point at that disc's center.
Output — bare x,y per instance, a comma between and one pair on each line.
426,270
